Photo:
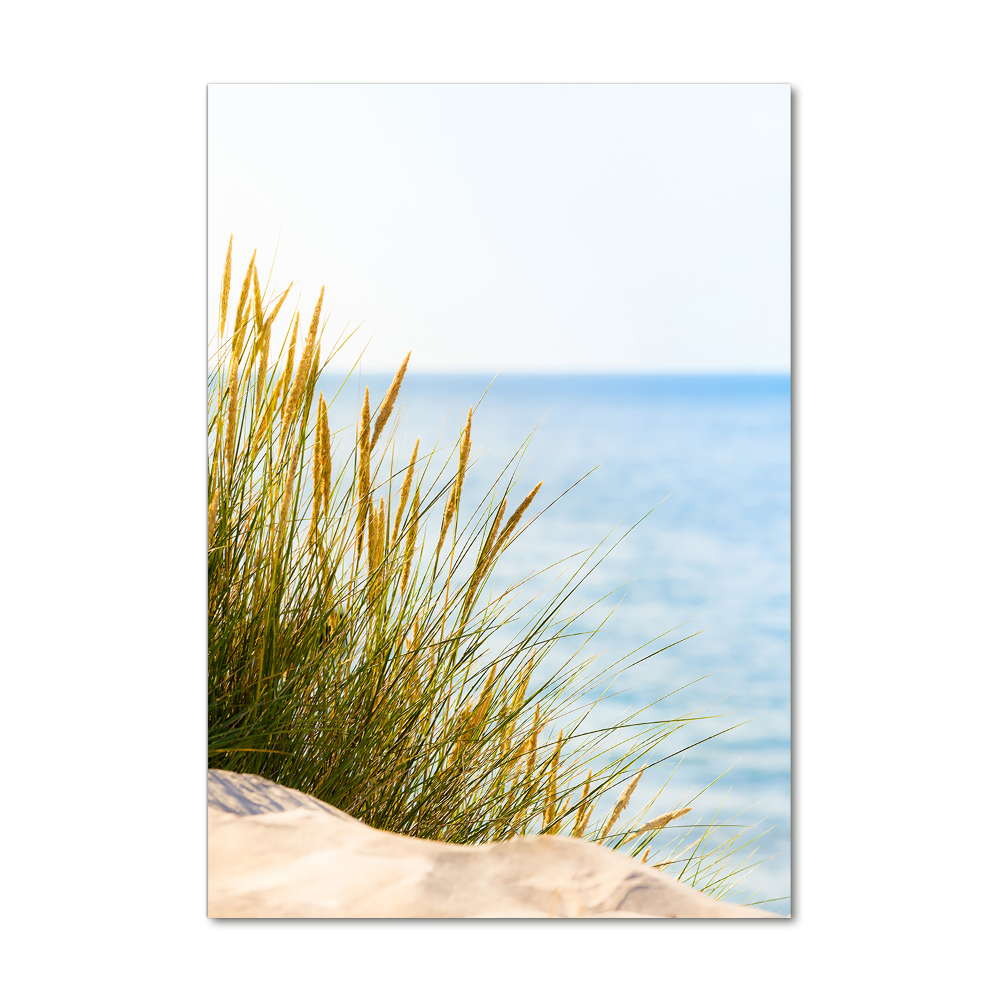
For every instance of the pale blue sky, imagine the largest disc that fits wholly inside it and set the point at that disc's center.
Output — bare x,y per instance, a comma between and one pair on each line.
593,227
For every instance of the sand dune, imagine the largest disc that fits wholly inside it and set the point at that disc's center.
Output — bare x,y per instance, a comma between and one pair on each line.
276,852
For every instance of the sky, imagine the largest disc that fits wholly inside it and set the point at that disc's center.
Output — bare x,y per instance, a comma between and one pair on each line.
632,228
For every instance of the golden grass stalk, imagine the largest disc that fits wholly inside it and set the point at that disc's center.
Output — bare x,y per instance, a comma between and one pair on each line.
456,491
232,416
286,376
364,479
227,276
522,686
213,507
244,292
302,374
380,533
258,306
404,493
385,407
463,458
550,804
491,538
449,513
317,477
485,555
658,822
472,718
263,349
582,812
274,312
460,727
264,430
536,727
237,348
485,698
411,539
286,497
620,806
463,454
373,559
509,527
323,422
510,763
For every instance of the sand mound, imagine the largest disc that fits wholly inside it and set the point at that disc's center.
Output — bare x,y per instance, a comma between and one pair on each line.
275,852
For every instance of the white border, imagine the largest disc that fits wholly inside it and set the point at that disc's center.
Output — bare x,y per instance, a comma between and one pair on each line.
103,260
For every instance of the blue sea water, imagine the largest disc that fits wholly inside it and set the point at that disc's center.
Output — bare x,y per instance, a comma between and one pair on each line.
711,454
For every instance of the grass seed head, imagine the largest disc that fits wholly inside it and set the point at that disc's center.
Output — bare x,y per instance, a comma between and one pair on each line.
263,349
550,803
364,457
446,519
411,540
536,727
258,306
317,477
509,527
286,377
658,822
244,292
385,408
233,415
274,312
302,373
620,806
213,507
227,277
286,497
404,493
582,812
323,429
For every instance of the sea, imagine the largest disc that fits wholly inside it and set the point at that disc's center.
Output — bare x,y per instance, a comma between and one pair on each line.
688,479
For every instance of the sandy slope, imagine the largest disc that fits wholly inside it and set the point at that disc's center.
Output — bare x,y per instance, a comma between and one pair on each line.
275,852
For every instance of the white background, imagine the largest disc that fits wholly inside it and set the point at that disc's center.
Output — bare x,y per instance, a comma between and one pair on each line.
896,360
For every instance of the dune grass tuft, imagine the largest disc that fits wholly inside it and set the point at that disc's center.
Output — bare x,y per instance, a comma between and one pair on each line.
355,648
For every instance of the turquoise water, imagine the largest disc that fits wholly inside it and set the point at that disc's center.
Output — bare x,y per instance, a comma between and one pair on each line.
713,557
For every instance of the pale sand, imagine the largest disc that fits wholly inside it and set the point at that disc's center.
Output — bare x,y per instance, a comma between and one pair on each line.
275,852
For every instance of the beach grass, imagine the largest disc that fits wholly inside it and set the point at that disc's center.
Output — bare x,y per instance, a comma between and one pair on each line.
361,648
